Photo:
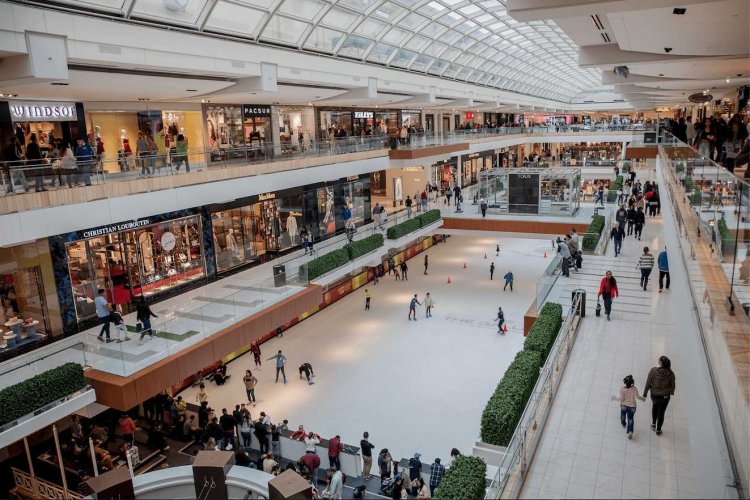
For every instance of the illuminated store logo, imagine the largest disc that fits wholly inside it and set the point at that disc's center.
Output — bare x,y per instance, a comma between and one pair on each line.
363,114
116,228
257,110
266,196
49,111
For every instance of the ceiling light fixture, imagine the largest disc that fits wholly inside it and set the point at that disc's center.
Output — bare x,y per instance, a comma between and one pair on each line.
144,99
667,49
61,84
191,90
679,11
727,80
205,100
661,74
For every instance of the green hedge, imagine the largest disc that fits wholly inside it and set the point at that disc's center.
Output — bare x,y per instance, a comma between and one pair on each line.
594,231
40,390
696,196
616,186
503,411
365,245
327,263
429,217
544,331
411,225
688,183
465,479
727,238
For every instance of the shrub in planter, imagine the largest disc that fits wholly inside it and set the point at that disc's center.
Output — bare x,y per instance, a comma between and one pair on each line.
544,331
594,231
429,217
327,263
688,183
406,227
696,196
616,186
680,168
40,390
504,409
365,245
727,238
464,480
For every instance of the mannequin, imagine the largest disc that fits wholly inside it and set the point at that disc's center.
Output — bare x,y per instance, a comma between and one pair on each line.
291,228
295,140
305,140
232,244
123,138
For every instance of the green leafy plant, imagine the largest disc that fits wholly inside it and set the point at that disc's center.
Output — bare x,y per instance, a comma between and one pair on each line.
616,186
498,185
688,183
411,225
544,331
544,165
327,263
696,196
593,233
364,246
465,480
680,168
727,238
505,407
429,217
40,390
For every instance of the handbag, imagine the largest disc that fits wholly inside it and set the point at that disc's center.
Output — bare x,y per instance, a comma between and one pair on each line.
139,327
598,308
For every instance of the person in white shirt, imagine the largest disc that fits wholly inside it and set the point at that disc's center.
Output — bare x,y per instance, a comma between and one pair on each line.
311,441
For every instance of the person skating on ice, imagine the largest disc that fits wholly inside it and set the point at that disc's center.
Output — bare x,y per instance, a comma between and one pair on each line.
428,305
492,270
250,382
508,280
255,349
412,308
497,250
307,369
367,300
500,320
280,362
426,264
404,270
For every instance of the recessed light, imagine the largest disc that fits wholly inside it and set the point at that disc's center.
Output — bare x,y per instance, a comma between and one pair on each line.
727,80
61,84
661,74
205,100
144,99
191,90
679,11
667,49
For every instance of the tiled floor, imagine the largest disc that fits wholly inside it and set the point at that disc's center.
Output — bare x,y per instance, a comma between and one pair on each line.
584,451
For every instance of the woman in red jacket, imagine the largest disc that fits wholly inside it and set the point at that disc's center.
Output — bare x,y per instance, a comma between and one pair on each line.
608,291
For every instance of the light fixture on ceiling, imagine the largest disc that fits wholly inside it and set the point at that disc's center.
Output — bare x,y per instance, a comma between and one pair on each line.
144,99
9,95
309,104
679,11
191,90
727,80
60,84
661,74
667,49
205,100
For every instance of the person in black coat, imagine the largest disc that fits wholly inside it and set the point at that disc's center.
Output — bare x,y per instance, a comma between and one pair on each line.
640,220
144,314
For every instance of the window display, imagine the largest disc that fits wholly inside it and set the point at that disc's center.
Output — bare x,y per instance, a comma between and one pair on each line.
296,128
147,260
387,121
224,132
334,119
257,128
411,118
356,199
189,124
22,297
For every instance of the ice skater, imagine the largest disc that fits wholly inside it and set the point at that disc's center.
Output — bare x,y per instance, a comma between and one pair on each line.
412,308
255,349
508,280
367,300
428,305
307,369
500,320
250,381
280,362
492,270
426,264
497,250
404,271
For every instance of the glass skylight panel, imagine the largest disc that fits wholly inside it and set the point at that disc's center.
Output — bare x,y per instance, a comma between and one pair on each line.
184,11
387,11
449,37
451,3
305,9
469,9
465,59
464,43
339,19
284,30
431,9
421,62
417,43
396,36
477,48
412,21
370,28
355,46
452,71
323,39
451,54
438,66
381,52
451,18
433,29
358,5
491,4
485,18
98,4
256,3
435,49
403,58
466,27
229,17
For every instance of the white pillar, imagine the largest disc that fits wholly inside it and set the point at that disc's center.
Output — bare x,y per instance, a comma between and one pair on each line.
622,156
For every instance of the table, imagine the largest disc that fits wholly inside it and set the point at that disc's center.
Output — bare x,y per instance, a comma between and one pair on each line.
9,339
15,325
30,329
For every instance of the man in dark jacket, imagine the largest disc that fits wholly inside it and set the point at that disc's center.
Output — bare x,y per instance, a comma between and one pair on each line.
262,434
85,157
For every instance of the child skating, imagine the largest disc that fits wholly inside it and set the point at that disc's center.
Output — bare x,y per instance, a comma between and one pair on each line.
413,308
500,320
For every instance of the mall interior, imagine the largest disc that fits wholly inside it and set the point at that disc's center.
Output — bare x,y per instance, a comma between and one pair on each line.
199,196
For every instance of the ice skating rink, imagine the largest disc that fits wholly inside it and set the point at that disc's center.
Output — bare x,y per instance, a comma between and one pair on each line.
414,386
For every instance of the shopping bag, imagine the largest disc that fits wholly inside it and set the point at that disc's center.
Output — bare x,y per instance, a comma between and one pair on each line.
598,308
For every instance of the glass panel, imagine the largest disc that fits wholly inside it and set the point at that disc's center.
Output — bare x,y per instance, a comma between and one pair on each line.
98,4
449,37
421,62
396,36
417,43
433,29
358,5
339,18
355,46
463,43
469,9
435,49
381,53
387,11
466,27
403,58
450,54
370,28
235,19
452,71
438,67
431,9
258,3
451,18
306,9
184,11
323,39
283,29
412,21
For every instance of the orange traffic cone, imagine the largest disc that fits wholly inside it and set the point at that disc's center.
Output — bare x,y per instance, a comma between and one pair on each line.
545,255
449,280
505,328
464,265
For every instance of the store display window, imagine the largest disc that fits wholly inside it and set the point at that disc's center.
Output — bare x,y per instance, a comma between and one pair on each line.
364,123
50,122
148,260
296,128
22,299
257,128
388,121
190,125
336,119
225,132
354,195
411,118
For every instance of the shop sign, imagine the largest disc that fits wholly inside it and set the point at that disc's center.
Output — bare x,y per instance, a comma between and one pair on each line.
266,196
411,111
469,116
363,115
251,110
47,111
116,228
413,169
352,178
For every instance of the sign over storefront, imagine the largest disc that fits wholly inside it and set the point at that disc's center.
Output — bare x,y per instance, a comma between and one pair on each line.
27,111
253,110
116,228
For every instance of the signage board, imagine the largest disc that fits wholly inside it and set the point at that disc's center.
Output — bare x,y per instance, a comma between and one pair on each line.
24,111
523,193
116,228
364,115
256,110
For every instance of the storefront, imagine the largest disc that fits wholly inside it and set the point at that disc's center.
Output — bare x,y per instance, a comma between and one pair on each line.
257,122
357,121
474,163
412,118
324,202
334,118
445,173
49,122
224,132
153,257
297,128
364,123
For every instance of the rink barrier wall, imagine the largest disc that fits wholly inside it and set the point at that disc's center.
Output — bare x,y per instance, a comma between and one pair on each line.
514,226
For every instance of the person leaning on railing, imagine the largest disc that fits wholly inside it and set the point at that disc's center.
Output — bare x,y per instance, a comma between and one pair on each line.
742,158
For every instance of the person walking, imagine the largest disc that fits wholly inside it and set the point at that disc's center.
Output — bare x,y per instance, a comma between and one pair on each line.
608,291
631,220
661,382
334,450
428,305
508,281
143,314
426,264
255,349
437,472
366,446
645,264
408,204
367,300
250,381
564,251
616,236
663,261
492,270
497,250
404,270
413,307
500,320
280,362
103,312
377,222
483,207
640,220
628,395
